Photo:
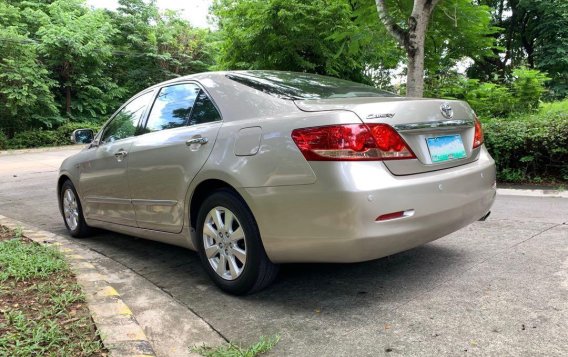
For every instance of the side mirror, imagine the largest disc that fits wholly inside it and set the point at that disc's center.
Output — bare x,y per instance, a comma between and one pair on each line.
83,136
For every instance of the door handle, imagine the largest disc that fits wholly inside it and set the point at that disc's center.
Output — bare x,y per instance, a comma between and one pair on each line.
199,140
120,155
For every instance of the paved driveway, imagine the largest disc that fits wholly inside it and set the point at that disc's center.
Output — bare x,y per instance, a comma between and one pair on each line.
498,287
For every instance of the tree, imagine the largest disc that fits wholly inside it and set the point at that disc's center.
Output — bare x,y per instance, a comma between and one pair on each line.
153,46
535,34
25,87
460,28
291,35
75,44
412,39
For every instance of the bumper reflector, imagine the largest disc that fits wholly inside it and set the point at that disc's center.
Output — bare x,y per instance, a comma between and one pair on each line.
395,215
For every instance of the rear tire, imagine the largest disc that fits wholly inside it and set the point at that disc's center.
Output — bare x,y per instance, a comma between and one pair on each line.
72,211
230,247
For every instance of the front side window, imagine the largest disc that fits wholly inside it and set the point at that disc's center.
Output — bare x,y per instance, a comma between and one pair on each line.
172,107
124,124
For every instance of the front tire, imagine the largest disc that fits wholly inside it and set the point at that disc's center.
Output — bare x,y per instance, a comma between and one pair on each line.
73,212
230,246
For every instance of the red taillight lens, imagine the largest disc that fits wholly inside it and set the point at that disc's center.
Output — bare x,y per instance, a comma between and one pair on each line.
351,142
478,136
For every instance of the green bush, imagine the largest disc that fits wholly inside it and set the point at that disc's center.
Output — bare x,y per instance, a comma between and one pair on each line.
3,141
528,88
557,107
64,132
492,99
42,138
529,148
33,139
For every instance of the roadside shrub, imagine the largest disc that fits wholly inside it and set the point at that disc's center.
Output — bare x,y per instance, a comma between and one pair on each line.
493,99
557,107
33,139
489,99
528,88
529,148
3,141
42,138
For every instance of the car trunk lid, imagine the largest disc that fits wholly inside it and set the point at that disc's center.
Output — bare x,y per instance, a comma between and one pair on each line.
434,137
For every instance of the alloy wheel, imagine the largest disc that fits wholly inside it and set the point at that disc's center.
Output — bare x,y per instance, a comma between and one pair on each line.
70,209
224,243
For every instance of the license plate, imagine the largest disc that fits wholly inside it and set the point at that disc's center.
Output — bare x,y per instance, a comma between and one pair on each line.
446,148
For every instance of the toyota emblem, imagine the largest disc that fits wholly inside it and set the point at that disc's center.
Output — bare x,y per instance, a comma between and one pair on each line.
447,111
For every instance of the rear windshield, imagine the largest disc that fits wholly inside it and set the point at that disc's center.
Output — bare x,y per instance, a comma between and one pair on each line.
295,85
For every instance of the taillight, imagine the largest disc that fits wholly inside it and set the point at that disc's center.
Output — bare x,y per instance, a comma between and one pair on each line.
478,136
351,142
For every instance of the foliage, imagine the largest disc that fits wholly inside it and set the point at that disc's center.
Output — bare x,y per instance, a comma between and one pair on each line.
528,87
3,141
75,45
457,28
535,34
33,139
25,86
291,35
529,148
42,138
61,60
264,345
493,99
153,46
64,132
489,99
552,108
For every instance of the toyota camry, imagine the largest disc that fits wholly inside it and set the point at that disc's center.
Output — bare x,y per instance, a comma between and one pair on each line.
257,168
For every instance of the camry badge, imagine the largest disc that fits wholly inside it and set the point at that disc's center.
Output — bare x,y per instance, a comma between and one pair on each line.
447,111
380,116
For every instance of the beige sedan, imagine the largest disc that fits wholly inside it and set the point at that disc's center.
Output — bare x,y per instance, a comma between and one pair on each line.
256,168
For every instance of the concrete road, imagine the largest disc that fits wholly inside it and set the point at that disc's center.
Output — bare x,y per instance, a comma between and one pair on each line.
498,287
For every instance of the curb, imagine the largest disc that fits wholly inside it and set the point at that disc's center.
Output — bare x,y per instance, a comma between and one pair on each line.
119,331
532,193
43,149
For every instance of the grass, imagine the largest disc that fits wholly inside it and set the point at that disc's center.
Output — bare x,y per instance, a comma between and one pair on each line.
265,344
557,107
42,308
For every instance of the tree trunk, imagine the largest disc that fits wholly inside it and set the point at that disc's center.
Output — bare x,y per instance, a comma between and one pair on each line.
67,99
417,27
412,40
66,76
415,76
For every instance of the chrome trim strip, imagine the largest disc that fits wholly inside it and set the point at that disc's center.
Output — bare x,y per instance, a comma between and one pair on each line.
141,202
442,124
124,201
97,199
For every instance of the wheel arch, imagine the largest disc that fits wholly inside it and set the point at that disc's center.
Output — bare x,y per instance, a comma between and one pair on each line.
204,190
62,178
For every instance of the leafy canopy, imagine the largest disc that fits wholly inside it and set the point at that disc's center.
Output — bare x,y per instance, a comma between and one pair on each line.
292,35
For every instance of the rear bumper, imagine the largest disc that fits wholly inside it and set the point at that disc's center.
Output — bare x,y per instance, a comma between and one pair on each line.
333,220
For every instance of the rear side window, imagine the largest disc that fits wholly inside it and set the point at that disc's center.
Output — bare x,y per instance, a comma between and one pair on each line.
204,110
172,107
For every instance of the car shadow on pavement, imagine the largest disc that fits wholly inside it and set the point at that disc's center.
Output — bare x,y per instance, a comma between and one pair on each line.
392,279
305,298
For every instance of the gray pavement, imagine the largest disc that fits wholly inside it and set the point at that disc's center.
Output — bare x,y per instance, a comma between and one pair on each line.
498,287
